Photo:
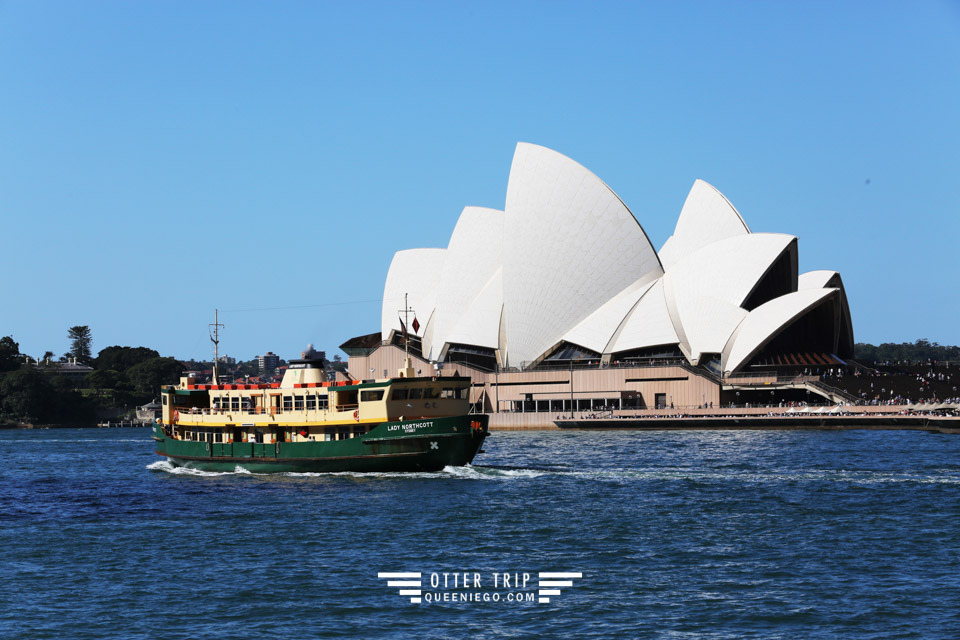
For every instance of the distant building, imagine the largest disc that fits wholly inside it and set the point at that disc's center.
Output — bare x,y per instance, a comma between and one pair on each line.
148,413
268,362
227,360
71,369
312,353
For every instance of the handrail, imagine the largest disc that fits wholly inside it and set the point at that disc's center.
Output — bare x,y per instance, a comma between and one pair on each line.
834,390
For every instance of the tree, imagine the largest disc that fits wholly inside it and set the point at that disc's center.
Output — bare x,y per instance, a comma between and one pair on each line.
122,358
10,357
27,394
80,343
100,379
148,376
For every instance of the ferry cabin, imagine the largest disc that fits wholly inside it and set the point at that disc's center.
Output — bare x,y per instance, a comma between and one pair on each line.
304,407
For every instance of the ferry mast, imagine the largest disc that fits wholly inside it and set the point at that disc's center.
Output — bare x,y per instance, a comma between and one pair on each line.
407,370
215,339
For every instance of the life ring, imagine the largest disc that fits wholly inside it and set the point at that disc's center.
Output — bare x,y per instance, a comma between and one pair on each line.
356,415
176,415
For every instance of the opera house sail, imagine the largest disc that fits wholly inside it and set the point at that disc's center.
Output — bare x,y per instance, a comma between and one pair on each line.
566,272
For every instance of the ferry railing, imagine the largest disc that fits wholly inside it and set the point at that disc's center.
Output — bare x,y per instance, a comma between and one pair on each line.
256,411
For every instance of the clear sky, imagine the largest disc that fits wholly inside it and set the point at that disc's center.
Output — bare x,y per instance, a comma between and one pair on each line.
162,159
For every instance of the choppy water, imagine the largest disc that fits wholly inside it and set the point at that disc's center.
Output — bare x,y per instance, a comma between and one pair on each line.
801,534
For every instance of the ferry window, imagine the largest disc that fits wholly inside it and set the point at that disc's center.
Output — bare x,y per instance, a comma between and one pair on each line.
311,402
217,437
400,394
431,392
371,396
298,403
346,398
343,433
322,402
454,394
235,403
164,399
330,435
415,394
287,403
359,430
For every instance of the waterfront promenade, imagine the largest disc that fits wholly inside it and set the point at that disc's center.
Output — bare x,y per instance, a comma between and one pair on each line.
920,416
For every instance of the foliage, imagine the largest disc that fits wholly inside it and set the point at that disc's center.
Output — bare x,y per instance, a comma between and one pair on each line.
31,396
81,340
27,394
120,358
10,357
149,375
100,379
920,351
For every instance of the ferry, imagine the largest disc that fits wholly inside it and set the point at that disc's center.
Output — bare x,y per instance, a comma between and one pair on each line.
307,423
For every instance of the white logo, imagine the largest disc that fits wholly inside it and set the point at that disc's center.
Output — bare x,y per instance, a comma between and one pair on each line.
552,581
410,583
471,586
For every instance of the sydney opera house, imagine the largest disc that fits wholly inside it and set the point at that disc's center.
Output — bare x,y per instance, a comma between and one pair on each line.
560,303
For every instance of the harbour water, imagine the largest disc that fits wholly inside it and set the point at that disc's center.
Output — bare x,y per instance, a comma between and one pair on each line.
694,534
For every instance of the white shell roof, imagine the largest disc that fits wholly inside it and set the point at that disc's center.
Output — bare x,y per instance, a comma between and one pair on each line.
826,278
479,324
567,261
766,321
570,245
704,291
707,216
595,331
473,256
648,324
815,279
415,272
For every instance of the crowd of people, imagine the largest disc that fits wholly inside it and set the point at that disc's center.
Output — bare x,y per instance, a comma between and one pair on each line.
898,384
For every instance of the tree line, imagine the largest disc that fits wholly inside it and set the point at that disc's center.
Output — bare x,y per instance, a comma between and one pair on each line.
45,392
905,352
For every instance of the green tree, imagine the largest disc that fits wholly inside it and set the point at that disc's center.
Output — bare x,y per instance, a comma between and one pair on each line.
148,376
80,343
10,357
27,394
100,379
122,358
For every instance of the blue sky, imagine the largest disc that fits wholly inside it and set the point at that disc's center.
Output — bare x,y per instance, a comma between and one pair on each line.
162,159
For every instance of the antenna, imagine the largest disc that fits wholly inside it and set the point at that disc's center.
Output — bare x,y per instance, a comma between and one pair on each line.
406,323
215,339
407,368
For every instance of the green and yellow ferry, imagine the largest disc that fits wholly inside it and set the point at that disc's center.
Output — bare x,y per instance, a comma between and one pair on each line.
306,423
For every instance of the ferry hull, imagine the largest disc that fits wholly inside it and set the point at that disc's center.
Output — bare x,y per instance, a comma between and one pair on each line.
413,445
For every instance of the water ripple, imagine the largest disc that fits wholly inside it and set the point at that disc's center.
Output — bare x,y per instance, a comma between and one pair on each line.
678,535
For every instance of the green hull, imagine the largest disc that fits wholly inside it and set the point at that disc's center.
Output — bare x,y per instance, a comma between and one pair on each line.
413,445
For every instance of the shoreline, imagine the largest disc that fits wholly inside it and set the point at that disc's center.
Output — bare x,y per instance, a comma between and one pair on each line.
938,424
873,421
